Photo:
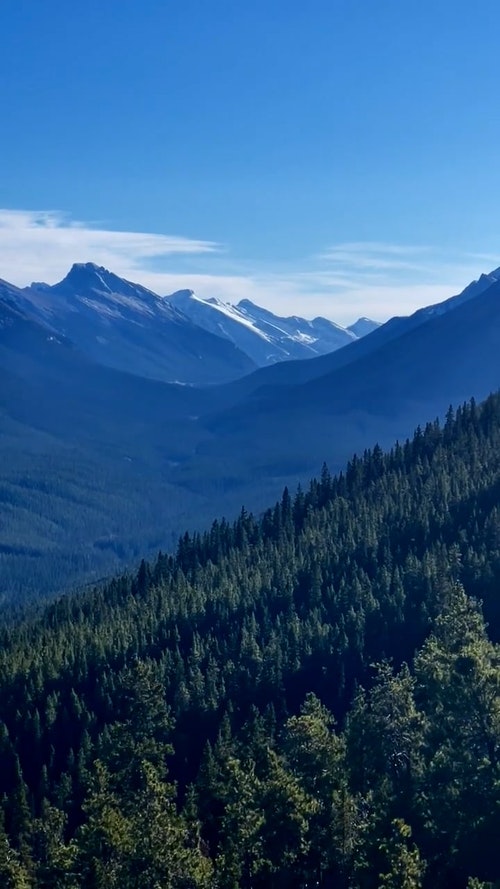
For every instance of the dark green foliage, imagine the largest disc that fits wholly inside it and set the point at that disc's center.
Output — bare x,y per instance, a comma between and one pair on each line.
305,699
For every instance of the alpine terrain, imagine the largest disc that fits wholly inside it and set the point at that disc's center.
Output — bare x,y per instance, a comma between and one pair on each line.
101,466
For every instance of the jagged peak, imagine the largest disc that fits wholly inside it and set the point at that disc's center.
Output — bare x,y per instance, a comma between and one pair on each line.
90,266
363,326
95,277
181,294
39,285
90,272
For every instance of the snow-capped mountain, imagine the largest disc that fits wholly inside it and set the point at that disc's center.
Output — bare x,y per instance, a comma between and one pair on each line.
363,326
286,417
126,326
475,288
265,337
179,338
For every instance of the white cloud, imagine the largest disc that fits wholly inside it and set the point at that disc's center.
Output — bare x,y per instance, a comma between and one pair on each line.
492,259
347,280
42,245
376,256
364,247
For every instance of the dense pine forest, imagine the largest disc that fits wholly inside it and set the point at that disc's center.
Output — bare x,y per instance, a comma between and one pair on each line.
306,699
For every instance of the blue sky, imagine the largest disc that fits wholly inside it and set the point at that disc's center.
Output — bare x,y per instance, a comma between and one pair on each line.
334,157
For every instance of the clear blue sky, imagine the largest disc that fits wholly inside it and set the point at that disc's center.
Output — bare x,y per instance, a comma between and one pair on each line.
278,132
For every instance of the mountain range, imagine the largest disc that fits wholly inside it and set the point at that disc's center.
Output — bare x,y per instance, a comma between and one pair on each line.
265,337
103,461
177,338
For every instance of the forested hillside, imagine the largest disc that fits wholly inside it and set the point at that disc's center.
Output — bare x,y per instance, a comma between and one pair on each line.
311,698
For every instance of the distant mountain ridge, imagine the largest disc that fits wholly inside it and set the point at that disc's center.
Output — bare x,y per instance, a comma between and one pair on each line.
363,326
297,372
267,338
126,326
177,338
376,389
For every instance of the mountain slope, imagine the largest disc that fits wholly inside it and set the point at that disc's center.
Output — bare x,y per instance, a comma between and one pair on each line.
86,455
362,327
277,433
125,326
265,337
180,338
298,372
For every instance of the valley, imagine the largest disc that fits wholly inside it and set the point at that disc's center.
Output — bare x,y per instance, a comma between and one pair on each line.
102,467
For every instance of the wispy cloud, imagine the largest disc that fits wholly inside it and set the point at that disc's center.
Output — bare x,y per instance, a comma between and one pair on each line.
36,244
491,258
383,279
342,282
377,256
